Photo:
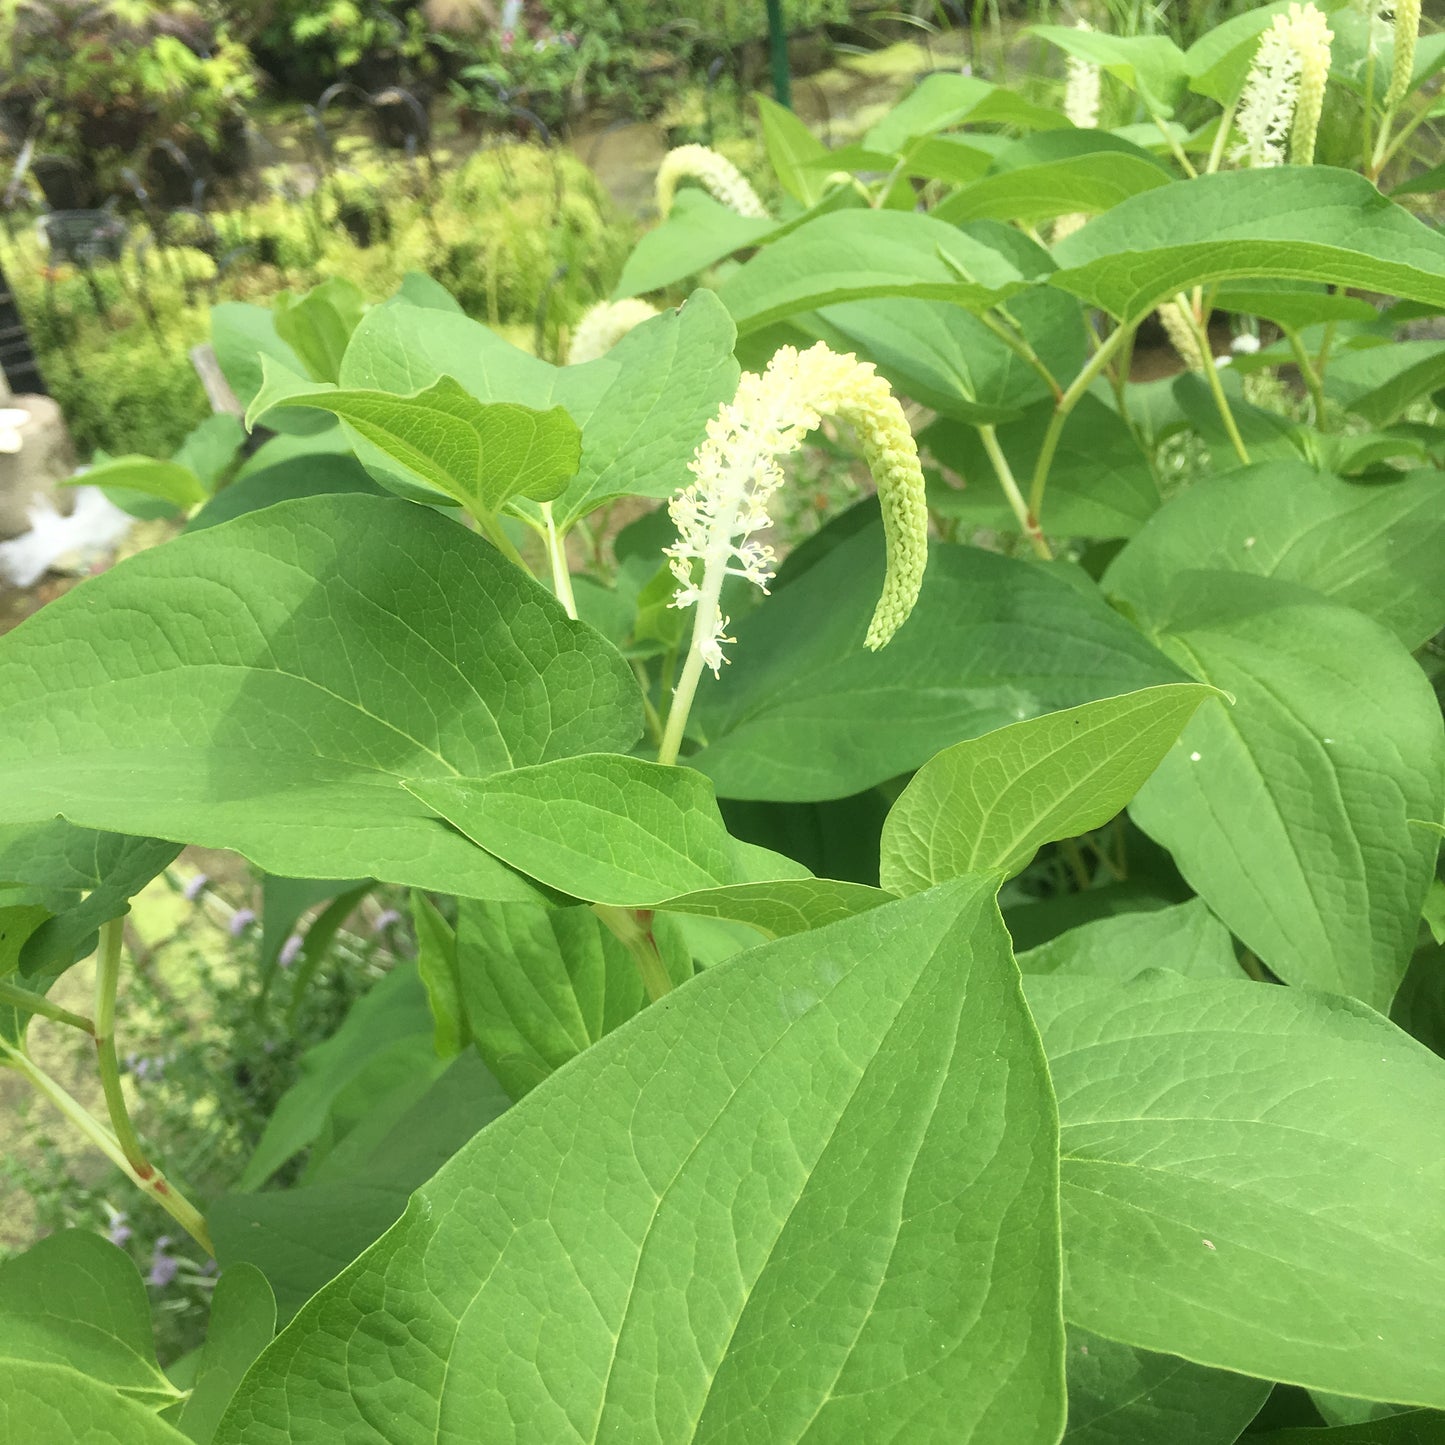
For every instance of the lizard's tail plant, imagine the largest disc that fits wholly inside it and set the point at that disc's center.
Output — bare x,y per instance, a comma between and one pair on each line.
1279,108
604,325
722,180
736,473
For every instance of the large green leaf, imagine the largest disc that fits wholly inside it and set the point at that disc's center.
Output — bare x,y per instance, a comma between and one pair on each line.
242,1324
1379,382
1375,547
1151,65
167,481
264,685
1289,811
1186,938
540,985
805,713
858,255
1305,223
318,324
1085,184
1122,1396
61,1406
643,408
988,804
478,454
1219,61
698,233
947,99
1410,1427
811,1197
1251,1178
949,360
1100,482
75,1299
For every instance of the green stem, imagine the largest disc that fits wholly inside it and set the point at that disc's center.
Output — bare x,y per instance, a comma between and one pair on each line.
1369,109
1186,165
1062,409
1069,847
1221,139
650,713
1211,377
557,555
1311,378
152,1183
704,626
1405,132
1018,344
107,980
36,1003
633,928
495,533
1028,522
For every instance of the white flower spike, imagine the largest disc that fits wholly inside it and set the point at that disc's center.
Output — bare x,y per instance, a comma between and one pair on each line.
719,176
737,473
1284,92
1082,88
602,326
1407,35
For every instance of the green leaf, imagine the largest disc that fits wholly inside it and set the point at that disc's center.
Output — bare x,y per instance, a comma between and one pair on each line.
1374,547
1100,483
64,1407
480,455
947,99
318,324
75,1299
169,481
950,361
603,827
1411,1427
698,233
63,860
277,676
315,475
1303,223
1219,61
436,958
1151,65
643,408
210,448
989,804
792,151
780,907
392,1019
1122,1396
806,714
676,1277
241,335
1250,1179
1379,382
541,985
1289,811
857,255
1185,939
1290,304
1089,183
301,1238
243,1322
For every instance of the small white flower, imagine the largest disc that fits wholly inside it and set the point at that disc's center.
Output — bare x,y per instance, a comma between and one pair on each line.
1245,344
11,420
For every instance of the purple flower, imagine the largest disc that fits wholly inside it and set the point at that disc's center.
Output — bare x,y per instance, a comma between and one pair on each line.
241,920
164,1267
195,887
290,950
388,919
119,1232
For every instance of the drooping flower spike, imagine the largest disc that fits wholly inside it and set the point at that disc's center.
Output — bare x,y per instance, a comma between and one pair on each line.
719,177
736,473
1407,35
1082,88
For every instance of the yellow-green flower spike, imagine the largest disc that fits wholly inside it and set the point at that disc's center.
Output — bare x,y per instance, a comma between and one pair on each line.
1312,37
722,180
1407,32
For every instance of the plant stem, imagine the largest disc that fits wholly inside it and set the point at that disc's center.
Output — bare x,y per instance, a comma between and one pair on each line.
704,626
1018,344
1211,377
633,928
557,554
1064,406
1221,138
1175,148
1311,378
154,1183
36,1003
140,1168
495,533
654,722
1404,134
1369,108
1028,523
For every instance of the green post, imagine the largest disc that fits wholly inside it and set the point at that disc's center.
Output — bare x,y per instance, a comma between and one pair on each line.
778,47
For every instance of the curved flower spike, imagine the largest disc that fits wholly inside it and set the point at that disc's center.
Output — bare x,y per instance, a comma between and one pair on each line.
1407,35
1285,89
719,176
602,326
736,473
